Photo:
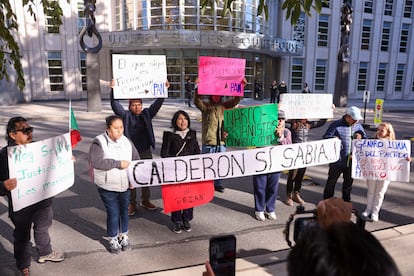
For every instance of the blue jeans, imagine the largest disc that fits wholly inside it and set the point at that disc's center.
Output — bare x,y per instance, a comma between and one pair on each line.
213,149
265,188
116,204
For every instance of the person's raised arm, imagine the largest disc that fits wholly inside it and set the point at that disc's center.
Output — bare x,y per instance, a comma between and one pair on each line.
116,106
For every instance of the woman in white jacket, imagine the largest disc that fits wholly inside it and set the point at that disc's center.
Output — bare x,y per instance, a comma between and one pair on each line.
377,188
109,156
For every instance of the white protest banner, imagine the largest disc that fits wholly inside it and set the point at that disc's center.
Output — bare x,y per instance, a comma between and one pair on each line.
381,159
139,76
306,106
43,169
232,164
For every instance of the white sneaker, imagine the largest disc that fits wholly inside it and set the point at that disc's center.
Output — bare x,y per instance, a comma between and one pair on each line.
260,216
374,217
271,216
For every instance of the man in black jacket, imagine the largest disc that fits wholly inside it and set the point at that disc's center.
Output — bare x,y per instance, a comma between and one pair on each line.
138,127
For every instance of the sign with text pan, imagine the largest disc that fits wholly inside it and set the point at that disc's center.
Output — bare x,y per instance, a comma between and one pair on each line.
221,76
139,76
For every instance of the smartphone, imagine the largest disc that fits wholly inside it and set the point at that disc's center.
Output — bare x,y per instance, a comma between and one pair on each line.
223,255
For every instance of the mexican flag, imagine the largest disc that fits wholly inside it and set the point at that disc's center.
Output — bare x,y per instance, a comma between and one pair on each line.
75,136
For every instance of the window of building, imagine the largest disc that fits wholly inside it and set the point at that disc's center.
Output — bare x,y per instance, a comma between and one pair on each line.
296,77
323,28
362,76
156,17
385,38
222,22
382,72
299,29
118,9
366,34
190,14
50,22
326,4
82,65
408,8
250,13
142,19
172,15
55,68
368,6
320,74
129,14
412,86
388,7
81,15
399,78
405,29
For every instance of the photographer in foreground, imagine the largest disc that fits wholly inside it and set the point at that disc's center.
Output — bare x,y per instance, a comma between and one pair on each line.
337,246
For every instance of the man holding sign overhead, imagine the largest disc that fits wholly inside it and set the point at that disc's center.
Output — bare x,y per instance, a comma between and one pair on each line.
137,77
217,77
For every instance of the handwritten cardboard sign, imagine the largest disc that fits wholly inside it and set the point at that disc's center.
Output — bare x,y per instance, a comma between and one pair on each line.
43,169
231,164
139,76
381,159
306,106
251,126
221,76
183,196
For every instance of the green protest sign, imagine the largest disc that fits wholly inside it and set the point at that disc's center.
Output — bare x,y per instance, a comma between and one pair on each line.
251,126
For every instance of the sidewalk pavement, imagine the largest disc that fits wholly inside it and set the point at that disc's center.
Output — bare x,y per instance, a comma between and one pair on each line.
397,240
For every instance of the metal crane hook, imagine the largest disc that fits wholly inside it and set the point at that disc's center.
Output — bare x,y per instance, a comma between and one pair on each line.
90,28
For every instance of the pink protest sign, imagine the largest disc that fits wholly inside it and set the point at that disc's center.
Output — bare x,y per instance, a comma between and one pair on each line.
221,76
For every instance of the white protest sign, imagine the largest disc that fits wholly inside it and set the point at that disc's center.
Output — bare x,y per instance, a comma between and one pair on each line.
232,164
43,169
306,105
139,76
381,159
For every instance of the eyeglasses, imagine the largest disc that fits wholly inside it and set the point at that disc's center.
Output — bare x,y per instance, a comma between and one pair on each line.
26,130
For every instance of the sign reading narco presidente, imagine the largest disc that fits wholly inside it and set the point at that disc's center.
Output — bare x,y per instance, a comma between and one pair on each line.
202,39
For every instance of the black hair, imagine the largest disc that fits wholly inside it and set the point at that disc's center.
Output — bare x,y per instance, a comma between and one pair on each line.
11,127
342,249
175,117
110,119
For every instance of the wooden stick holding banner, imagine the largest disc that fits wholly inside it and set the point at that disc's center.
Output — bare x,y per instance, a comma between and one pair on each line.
43,169
139,76
221,76
239,163
251,126
381,159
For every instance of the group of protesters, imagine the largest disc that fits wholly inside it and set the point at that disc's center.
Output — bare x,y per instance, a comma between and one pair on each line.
129,136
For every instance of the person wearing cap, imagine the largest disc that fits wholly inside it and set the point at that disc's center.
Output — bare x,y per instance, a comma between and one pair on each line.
138,127
346,129
265,186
